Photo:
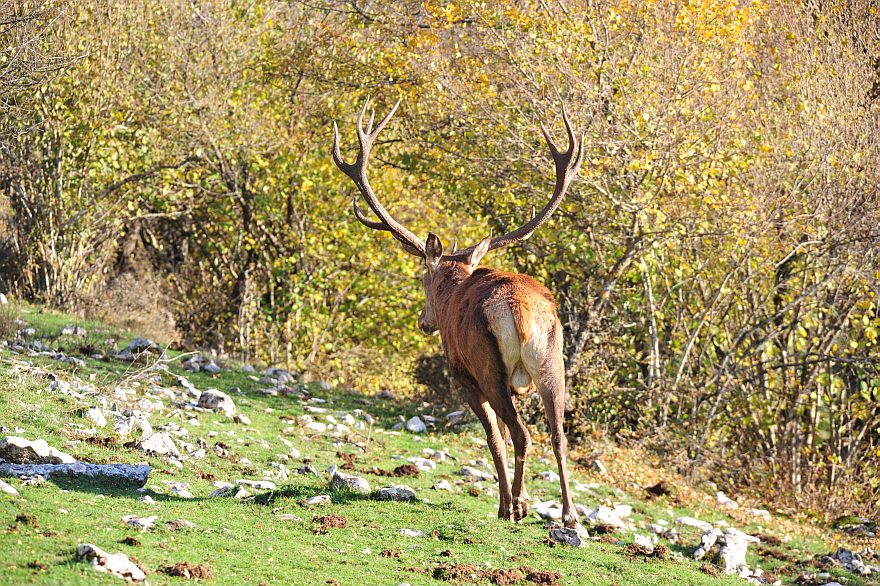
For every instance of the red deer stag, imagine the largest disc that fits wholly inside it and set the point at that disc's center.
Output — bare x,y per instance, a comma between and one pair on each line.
499,330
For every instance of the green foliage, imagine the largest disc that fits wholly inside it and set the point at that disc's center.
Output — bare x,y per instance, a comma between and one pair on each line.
715,263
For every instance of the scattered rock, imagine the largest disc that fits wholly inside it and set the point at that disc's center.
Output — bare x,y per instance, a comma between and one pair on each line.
117,564
217,401
762,514
256,484
178,524
397,492
160,444
727,502
321,499
597,464
423,464
72,330
127,425
140,523
188,571
416,425
455,417
443,485
608,516
96,416
472,473
549,475
567,536
8,489
730,548
18,450
411,532
691,522
242,419
350,483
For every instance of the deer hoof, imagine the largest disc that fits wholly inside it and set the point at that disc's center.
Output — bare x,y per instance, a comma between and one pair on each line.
520,509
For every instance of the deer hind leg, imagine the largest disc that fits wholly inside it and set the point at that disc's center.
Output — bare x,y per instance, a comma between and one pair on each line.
522,443
497,447
550,380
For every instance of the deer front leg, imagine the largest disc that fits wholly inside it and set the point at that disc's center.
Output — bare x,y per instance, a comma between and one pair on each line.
498,449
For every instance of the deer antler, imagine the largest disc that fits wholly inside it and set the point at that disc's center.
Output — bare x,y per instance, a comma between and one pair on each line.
567,165
357,172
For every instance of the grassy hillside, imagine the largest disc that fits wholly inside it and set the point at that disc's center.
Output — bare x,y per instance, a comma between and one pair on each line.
273,536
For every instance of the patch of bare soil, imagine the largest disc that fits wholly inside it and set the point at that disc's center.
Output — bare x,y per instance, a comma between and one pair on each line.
710,570
188,571
129,540
501,577
390,553
329,522
769,539
204,475
347,460
604,529
104,442
660,552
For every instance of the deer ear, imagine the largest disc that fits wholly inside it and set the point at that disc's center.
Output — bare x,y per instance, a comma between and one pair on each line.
433,250
479,252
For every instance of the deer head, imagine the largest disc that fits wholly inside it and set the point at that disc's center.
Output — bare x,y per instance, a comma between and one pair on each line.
457,265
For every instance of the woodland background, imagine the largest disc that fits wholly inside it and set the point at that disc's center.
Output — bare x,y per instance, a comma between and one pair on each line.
717,262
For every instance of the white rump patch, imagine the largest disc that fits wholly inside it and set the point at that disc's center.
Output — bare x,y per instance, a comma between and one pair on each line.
503,326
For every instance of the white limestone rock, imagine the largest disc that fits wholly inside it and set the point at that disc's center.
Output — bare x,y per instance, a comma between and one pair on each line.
18,450
116,564
217,401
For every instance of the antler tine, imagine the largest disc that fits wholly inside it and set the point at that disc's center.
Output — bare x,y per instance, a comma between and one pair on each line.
567,164
357,172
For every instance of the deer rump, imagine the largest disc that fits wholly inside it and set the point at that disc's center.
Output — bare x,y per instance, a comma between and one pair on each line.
521,322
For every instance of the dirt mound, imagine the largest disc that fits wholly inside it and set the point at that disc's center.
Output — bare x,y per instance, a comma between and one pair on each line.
188,571
330,522
501,577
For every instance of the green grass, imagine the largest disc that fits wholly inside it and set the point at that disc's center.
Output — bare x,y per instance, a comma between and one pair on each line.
245,542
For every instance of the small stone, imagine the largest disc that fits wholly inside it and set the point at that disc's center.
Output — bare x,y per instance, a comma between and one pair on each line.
18,450
423,464
726,502
599,466
568,536
348,482
140,523
96,416
416,425
691,522
475,474
160,444
242,419
217,401
211,367
412,533
443,485
288,517
454,417
644,541
8,489
147,499
72,330
321,499
397,492
117,564
256,484
549,475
